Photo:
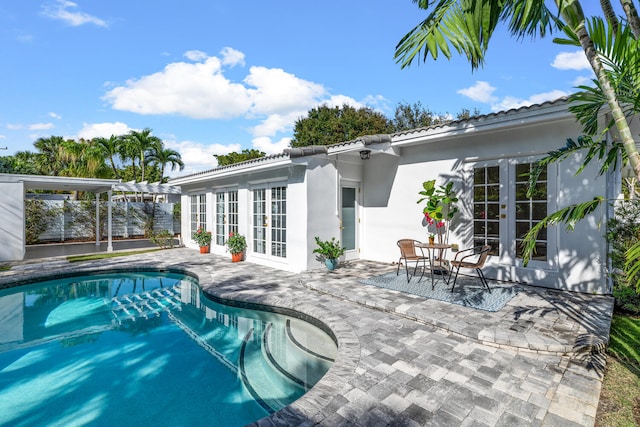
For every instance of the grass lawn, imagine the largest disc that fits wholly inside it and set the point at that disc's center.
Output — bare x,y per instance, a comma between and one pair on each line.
620,397
93,257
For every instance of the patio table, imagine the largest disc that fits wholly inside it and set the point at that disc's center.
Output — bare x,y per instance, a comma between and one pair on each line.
443,263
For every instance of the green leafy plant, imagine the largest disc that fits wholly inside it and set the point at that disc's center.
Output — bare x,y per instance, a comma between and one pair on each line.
329,249
202,237
440,200
39,216
164,239
236,243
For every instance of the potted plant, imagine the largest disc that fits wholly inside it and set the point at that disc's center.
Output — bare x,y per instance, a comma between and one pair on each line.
330,251
203,238
236,244
440,206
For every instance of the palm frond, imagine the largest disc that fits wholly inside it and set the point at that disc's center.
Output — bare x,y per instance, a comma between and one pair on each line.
632,264
569,215
606,154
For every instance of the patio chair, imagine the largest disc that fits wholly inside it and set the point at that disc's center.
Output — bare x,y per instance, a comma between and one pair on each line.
408,253
471,258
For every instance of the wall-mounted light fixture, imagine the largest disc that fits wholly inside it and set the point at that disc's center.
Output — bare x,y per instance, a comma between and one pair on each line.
365,154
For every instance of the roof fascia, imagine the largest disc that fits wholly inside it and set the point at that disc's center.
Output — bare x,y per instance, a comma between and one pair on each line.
513,120
241,169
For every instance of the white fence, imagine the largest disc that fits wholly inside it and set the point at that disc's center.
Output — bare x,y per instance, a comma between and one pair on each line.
76,220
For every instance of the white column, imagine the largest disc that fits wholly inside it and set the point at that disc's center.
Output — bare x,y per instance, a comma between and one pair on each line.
97,219
109,220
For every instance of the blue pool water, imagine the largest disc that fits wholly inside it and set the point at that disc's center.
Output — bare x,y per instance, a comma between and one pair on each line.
148,349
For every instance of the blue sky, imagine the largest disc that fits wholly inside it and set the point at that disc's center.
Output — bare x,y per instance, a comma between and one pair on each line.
214,76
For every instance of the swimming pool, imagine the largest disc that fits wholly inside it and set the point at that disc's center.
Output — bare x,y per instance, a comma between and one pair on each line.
148,347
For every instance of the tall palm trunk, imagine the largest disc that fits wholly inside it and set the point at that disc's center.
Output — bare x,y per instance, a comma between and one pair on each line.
632,15
573,15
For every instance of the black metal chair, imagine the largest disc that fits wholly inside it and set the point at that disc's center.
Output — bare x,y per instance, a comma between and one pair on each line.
408,253
471,258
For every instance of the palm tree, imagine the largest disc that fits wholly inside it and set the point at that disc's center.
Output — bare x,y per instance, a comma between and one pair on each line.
136,145
110,148
160,156
84,159
467,25
49,160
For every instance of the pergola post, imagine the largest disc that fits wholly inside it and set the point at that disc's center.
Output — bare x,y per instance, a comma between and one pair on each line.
98,219
109,220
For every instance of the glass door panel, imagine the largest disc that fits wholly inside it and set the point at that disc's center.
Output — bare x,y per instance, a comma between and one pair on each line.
348,216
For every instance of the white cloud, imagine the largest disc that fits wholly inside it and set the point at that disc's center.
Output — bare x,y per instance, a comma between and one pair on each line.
41,126
103,130
232,57
60,9
54,115
510,102
196,90
3,136
480,92
276,91
197,156
12,126
582,80
195,55
266,145
571,61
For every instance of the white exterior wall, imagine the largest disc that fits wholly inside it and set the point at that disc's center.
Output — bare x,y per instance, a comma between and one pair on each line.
12,224
577,259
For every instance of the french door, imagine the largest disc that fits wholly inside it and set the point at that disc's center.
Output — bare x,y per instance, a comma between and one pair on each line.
226,215
350,219
269,221
503,213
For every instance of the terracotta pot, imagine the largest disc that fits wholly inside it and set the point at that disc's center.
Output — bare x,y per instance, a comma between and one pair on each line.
236,257
431,241
204,249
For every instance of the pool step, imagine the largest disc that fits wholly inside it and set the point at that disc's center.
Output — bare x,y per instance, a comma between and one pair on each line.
145,304
265,383
299,351
284,360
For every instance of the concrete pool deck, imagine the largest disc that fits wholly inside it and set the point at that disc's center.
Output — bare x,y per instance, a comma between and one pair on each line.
404,360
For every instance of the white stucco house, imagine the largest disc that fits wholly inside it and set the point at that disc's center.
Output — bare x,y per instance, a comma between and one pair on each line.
281,202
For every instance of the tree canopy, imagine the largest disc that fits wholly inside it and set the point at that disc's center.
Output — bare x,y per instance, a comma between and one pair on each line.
326,125
124,157
235,157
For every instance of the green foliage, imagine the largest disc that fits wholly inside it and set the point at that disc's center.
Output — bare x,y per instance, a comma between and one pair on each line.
606,154
164,239
440,200
326,125
202,237
624,341
408,116
329,249
569,215
235,157
627,299
103,255
623,232
236,243
177,210
38,217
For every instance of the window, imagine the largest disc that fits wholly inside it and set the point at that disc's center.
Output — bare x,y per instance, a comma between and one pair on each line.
259,221
198,212
269,233
233,211
486,207
279,221
220,219
226,215
530,210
